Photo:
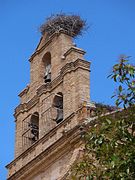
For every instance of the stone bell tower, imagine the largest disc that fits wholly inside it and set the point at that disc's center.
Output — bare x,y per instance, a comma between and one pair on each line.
52,109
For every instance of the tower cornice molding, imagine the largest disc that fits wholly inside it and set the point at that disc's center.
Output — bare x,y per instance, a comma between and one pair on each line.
21,108
24,91
74,49
72,66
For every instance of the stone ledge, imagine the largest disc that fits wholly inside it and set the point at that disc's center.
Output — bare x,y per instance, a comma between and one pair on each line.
26,106
24,91
75,49
72,66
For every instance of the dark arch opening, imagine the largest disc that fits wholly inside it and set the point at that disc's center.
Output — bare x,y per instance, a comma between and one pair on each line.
58,104
47,67
34,127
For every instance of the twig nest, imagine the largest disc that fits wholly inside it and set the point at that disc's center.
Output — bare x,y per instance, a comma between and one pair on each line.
72,25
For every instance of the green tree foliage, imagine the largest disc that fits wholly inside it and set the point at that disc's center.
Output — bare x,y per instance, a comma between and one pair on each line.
124,74
109,151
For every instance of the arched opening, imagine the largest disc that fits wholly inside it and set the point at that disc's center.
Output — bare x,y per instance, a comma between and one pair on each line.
34,127
58,104
47,67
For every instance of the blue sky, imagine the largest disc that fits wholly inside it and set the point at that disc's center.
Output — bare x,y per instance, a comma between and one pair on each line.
111,33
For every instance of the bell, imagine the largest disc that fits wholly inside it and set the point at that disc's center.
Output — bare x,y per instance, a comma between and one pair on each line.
59,115
47,78
34,132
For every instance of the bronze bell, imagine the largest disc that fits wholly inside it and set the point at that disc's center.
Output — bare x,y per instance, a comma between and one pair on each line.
59,115
47,78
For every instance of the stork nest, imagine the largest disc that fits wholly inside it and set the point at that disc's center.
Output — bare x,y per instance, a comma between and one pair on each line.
72,25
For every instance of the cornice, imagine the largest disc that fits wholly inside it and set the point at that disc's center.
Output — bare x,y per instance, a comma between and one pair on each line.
41,49
49,86
74,49
39,43
72,66
21,108
24,91
26,106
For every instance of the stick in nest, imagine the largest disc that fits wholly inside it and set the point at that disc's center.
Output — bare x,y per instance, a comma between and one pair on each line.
72,25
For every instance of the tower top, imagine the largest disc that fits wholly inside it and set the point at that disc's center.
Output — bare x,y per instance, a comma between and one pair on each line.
72,25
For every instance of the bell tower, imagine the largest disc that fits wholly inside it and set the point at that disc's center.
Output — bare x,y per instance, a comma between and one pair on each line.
51,111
